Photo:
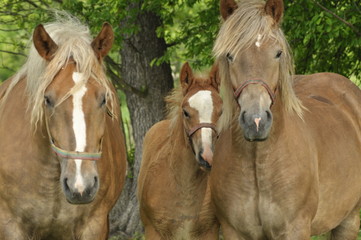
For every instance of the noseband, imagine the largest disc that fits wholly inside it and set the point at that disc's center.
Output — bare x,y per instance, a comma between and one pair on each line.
271,93
75,155
199,126
71,154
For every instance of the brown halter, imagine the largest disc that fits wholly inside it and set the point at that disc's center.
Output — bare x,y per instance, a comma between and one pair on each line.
271,93
201,125
196,128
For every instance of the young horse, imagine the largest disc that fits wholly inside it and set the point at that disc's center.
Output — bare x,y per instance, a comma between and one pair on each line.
61,142
173,191
290,167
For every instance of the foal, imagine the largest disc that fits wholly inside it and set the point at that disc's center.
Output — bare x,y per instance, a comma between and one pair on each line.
173,186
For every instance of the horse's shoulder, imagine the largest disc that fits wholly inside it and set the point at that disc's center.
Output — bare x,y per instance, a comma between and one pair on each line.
155,139
153,142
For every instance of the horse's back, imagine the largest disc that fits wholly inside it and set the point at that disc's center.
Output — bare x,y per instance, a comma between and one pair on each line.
331,99
332,89
333,120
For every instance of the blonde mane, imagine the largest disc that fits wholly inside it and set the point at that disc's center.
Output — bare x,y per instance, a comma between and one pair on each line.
74,43
237,34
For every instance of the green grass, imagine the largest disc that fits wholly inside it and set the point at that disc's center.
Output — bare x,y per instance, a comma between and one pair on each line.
324,237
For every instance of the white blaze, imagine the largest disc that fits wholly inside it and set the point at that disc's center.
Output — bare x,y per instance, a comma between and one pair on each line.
202,102
79,128
258,42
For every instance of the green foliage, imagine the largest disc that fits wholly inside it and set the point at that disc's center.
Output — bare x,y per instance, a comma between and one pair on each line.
96,12
189,28
21,17
325,36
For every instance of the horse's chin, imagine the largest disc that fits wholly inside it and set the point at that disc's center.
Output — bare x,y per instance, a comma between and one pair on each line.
205,169
253,139
251,135
204,165
79,202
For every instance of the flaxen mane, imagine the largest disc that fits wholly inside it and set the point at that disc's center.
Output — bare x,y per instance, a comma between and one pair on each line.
74,43
238,33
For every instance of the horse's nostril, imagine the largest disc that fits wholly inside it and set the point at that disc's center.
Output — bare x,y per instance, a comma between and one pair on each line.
95,182
88,191
203,162
243,117
269,115
66,186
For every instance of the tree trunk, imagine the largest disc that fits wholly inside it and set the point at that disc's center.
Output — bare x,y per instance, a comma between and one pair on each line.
149,85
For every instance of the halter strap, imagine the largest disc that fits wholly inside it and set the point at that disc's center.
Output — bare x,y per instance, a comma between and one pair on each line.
75,155
271,93
71,154
202,125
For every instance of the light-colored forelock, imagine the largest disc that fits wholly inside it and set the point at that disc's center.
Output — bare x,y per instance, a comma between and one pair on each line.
233,36
239,32
74,42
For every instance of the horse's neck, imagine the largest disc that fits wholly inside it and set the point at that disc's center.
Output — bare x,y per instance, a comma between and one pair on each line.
182,160
33,142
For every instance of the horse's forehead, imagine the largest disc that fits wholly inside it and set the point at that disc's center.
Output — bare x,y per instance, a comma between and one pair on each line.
200,97
62,82
68,77
202,101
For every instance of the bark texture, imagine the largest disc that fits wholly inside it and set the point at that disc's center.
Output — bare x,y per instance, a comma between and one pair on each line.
145,99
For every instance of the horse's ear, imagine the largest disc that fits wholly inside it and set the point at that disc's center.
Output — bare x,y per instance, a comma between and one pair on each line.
274,8
104,41
227,7
186,77
214,76
43,43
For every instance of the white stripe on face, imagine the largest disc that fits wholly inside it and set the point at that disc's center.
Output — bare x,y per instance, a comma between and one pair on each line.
258,43
79,128
202,102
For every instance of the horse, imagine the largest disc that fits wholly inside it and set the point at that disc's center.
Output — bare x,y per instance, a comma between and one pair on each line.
287,164
62,152
173,190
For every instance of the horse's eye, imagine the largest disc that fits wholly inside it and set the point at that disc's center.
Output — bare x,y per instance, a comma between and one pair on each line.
279,53
186,114
48,102
229,57
103,102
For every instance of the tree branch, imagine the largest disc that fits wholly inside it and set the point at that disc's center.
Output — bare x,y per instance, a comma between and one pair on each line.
10,30
14,53
7,68
339,18
119,81
32,3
